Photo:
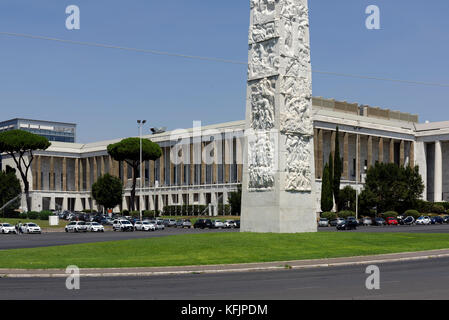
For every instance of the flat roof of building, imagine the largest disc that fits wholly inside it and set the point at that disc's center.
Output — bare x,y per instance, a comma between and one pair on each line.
42,121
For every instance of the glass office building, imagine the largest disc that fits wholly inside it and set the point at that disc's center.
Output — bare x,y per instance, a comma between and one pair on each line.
53,131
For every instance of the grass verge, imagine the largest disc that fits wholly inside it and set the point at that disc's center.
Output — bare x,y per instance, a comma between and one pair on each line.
219,248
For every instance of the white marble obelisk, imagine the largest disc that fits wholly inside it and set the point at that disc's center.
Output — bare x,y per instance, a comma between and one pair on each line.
278,178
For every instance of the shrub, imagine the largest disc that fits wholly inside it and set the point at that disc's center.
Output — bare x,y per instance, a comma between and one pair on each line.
438,208
413,213
150,214
444,204
32,215
346,213
387,214
23,215
125,213
43,215
329,215
134,214
424,206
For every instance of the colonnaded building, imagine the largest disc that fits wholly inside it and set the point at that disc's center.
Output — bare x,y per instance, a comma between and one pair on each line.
62,176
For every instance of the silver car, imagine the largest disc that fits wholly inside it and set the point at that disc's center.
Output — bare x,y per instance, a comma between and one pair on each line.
367,221
76,226
323,222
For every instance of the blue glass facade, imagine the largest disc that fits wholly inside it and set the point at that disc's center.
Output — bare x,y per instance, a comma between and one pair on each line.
53,131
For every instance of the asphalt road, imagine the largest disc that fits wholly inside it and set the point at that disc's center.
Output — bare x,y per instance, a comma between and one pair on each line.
13,241
427,279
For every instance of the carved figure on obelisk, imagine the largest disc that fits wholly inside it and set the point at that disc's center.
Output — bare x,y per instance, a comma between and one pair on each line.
278,184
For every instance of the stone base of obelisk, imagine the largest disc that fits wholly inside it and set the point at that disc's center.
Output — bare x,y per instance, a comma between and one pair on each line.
278,212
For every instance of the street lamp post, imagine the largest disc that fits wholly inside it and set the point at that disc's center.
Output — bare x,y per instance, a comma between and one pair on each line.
140,123
357,172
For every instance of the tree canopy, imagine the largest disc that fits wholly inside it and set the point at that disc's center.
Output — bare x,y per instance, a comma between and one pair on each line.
20,145
327,201
129,150
9,188
108,191
337,170
19,141
392,187
235,200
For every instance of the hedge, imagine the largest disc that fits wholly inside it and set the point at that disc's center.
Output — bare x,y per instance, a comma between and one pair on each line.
33,215
43,215
413,213
438,208
329,215
387,214
346,213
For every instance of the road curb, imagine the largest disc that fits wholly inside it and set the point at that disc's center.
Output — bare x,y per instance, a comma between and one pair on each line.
233,268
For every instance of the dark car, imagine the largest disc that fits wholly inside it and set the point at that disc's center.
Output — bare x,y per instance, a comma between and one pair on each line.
436,219
179,223
336,222
349,224
446,219
237,224
379,222
203,223
407,221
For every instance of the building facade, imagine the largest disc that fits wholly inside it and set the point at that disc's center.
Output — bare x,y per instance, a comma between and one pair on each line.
202,165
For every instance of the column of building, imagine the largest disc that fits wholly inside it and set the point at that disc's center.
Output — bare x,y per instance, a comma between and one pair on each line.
438,173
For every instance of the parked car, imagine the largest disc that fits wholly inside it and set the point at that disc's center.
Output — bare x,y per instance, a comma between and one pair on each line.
186,223
94,227
379,222
407,221
230,224
323,222
179,223
446,219
160,225
350,224
237,224
353,219
390,221
7,228
424,220
218,224
336,222
76,226
144,226
171,223
203,223
166,222
122,225
30,227
436,219
367,221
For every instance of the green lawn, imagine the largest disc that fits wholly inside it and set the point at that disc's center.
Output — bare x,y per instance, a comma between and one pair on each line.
40,223
219,248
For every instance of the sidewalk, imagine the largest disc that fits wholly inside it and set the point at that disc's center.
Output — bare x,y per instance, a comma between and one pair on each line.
246,267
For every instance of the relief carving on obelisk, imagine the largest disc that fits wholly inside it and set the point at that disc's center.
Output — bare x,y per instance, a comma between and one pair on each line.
279,83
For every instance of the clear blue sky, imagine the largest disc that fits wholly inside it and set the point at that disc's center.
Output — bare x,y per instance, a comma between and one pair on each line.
105,90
